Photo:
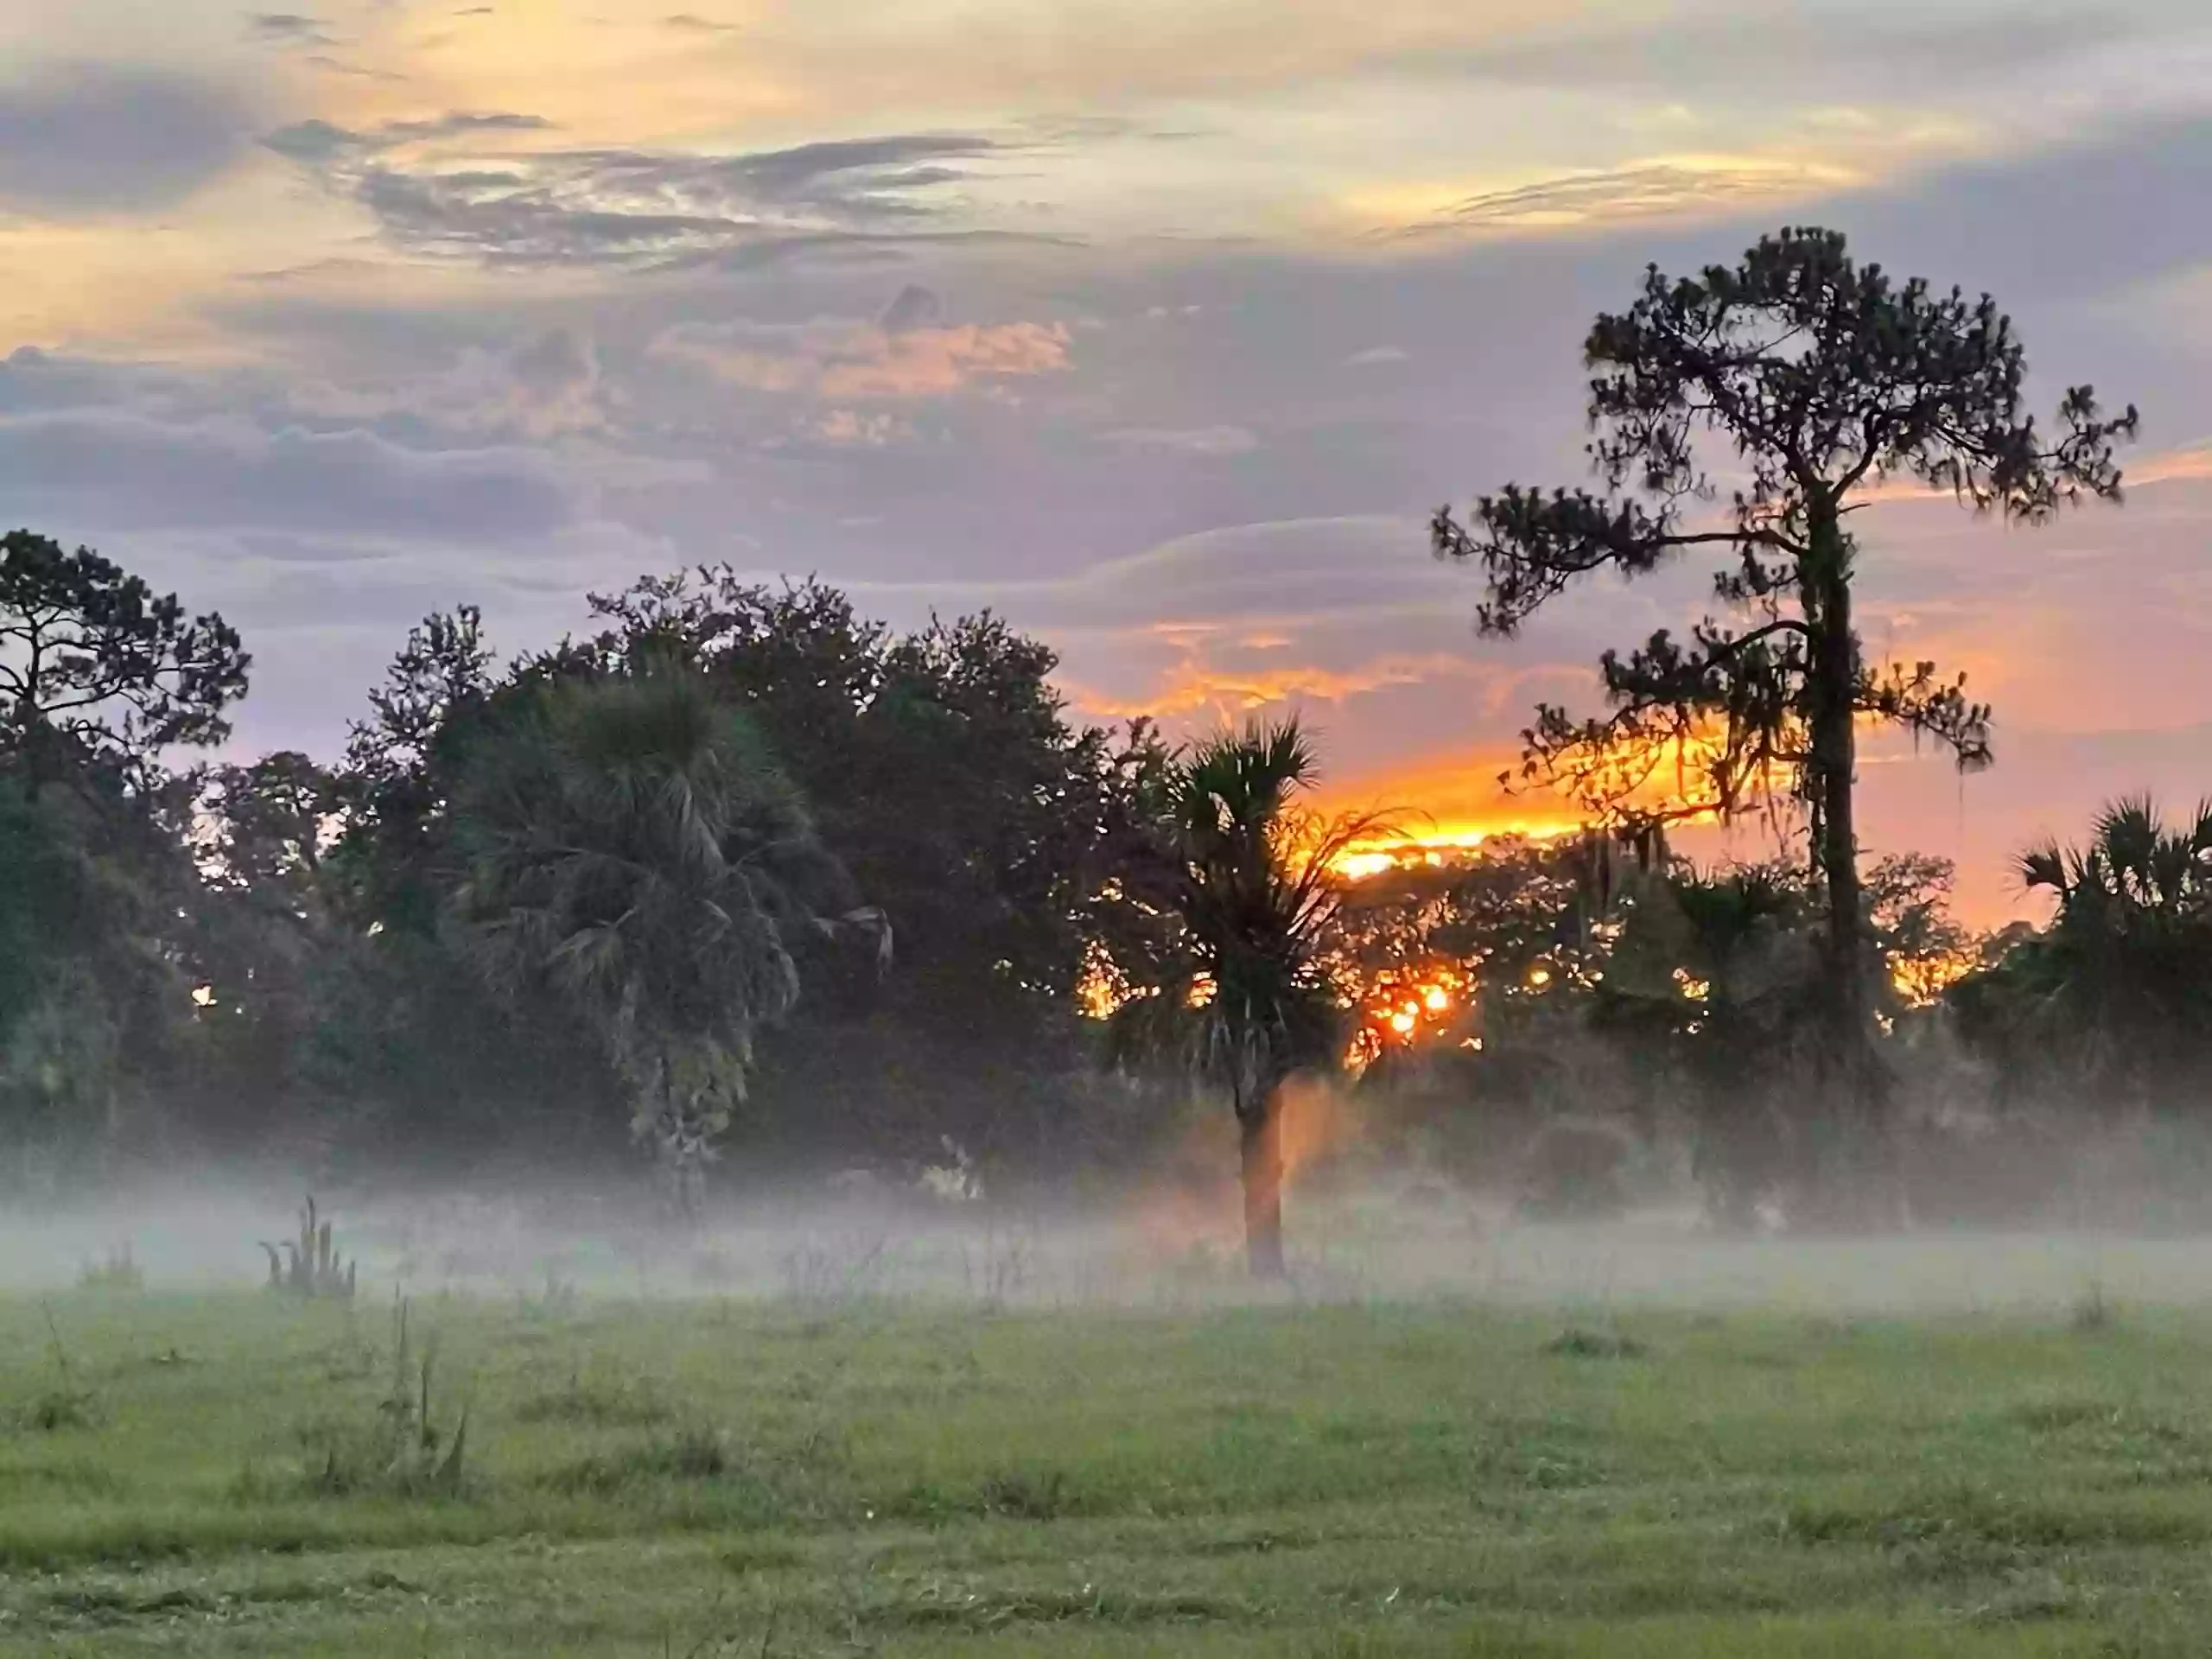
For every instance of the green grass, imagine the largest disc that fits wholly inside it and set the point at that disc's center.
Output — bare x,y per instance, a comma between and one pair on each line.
723,1479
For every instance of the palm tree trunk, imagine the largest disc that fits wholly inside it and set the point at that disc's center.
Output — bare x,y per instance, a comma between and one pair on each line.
1260,1126
680,1160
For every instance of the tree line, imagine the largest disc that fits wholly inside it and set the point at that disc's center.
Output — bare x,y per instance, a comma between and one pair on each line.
740,867
738,849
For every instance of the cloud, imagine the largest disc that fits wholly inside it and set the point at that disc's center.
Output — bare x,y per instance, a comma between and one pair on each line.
933,362
1248,574
358,71
2120,190
846,362
1802,50
109,470
845,427
1375,357
88,141
1349,611
913,305
313,141
287,28
1189,440
689,22
555,365
320,144
2192,462
618,206
1271,576
1658,189
38,381
546,386
1195,688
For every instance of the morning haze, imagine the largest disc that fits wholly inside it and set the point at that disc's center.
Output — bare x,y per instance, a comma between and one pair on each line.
836,828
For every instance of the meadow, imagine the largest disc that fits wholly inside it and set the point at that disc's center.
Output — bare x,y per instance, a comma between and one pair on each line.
244,1472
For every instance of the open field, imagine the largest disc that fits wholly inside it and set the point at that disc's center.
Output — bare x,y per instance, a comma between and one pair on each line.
214,1473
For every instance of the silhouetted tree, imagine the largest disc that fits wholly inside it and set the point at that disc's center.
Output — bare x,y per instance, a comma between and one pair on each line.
268,822
399,771
1822,380
2114,997
1245,996
95,667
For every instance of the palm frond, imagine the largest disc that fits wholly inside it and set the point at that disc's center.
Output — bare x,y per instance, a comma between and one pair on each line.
2043,867
632,848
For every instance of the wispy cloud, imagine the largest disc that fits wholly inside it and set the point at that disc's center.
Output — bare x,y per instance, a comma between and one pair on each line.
319,142
1659,189
288,28
355,71
626,206
85,141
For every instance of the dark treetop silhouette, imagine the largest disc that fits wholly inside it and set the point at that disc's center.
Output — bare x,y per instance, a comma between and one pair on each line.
93,662
1822,378
1244,994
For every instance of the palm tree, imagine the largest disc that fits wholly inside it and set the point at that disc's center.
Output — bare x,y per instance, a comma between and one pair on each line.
1245,996
2118,987
2134,871
632,846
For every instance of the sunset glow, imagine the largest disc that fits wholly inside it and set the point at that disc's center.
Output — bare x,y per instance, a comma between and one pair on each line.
1400,1007
1156,334
1185,828
1437,848
1922,981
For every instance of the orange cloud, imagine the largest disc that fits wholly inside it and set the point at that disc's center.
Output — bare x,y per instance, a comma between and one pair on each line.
864,363
931,362
1195,688
2192,462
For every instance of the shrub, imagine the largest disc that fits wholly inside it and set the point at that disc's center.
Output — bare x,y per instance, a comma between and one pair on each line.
309,1266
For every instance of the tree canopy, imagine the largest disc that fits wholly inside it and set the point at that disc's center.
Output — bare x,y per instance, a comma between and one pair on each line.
94,663
1752,411
2112,1001
633,846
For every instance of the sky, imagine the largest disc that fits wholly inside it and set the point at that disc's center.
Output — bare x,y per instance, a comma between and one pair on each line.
1160,327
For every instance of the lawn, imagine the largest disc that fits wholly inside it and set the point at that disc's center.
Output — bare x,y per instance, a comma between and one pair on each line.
217,1474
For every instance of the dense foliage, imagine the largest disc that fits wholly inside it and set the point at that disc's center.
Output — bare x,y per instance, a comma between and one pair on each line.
2111,1006
1776,391
741,872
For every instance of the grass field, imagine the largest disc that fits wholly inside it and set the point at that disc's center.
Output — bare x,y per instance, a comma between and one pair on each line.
216,1474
